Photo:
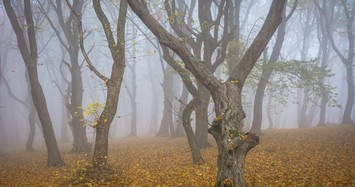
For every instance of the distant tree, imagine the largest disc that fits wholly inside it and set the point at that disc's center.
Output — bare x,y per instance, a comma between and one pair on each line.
267,72
306,108
32,113
166,124
68,36
27,102
28,51
233,145
166,55
323,57
179,131
347,11
132,93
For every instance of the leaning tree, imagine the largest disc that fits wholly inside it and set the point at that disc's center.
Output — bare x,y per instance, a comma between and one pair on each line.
28,49
233,145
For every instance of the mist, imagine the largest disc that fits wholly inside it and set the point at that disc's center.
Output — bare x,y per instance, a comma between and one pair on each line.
307,82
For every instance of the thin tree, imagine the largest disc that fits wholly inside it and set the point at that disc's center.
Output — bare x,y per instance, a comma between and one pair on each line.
347,57
28,51
68,36
113,84
267,72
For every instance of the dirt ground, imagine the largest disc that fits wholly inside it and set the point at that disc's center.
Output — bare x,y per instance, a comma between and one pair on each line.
293,157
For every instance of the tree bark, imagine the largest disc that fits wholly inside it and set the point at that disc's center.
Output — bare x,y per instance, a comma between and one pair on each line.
201,132
117,49
191,138
233,145
29,56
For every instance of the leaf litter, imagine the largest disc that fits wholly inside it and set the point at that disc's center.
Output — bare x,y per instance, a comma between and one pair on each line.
292,157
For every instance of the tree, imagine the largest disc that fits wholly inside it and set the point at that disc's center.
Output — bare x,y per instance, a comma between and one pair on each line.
27,102
232,144
32,113
132,93
323,56
29,55
166,124
267,72
306,108
113,84
347,59
69,39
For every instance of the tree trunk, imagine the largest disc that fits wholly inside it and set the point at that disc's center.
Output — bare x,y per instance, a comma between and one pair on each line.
179,131
32,122
232,144
29,56
201,133
191,138
167,119
80,143
269,112
101,145
266,74
133,97
348,59
304,108
154,116
350,100
117,49
64,138
323,54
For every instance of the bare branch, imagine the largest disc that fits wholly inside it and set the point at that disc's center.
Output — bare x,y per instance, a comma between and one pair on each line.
82,46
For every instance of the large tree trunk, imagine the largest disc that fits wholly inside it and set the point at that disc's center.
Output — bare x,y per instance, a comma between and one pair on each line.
232,144
29,56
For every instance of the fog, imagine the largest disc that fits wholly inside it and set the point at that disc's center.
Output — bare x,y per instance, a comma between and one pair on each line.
149,75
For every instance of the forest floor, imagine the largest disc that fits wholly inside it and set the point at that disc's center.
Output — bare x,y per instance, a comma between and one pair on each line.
293,157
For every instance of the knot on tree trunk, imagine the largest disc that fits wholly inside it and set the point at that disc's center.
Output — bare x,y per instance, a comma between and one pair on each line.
251,141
